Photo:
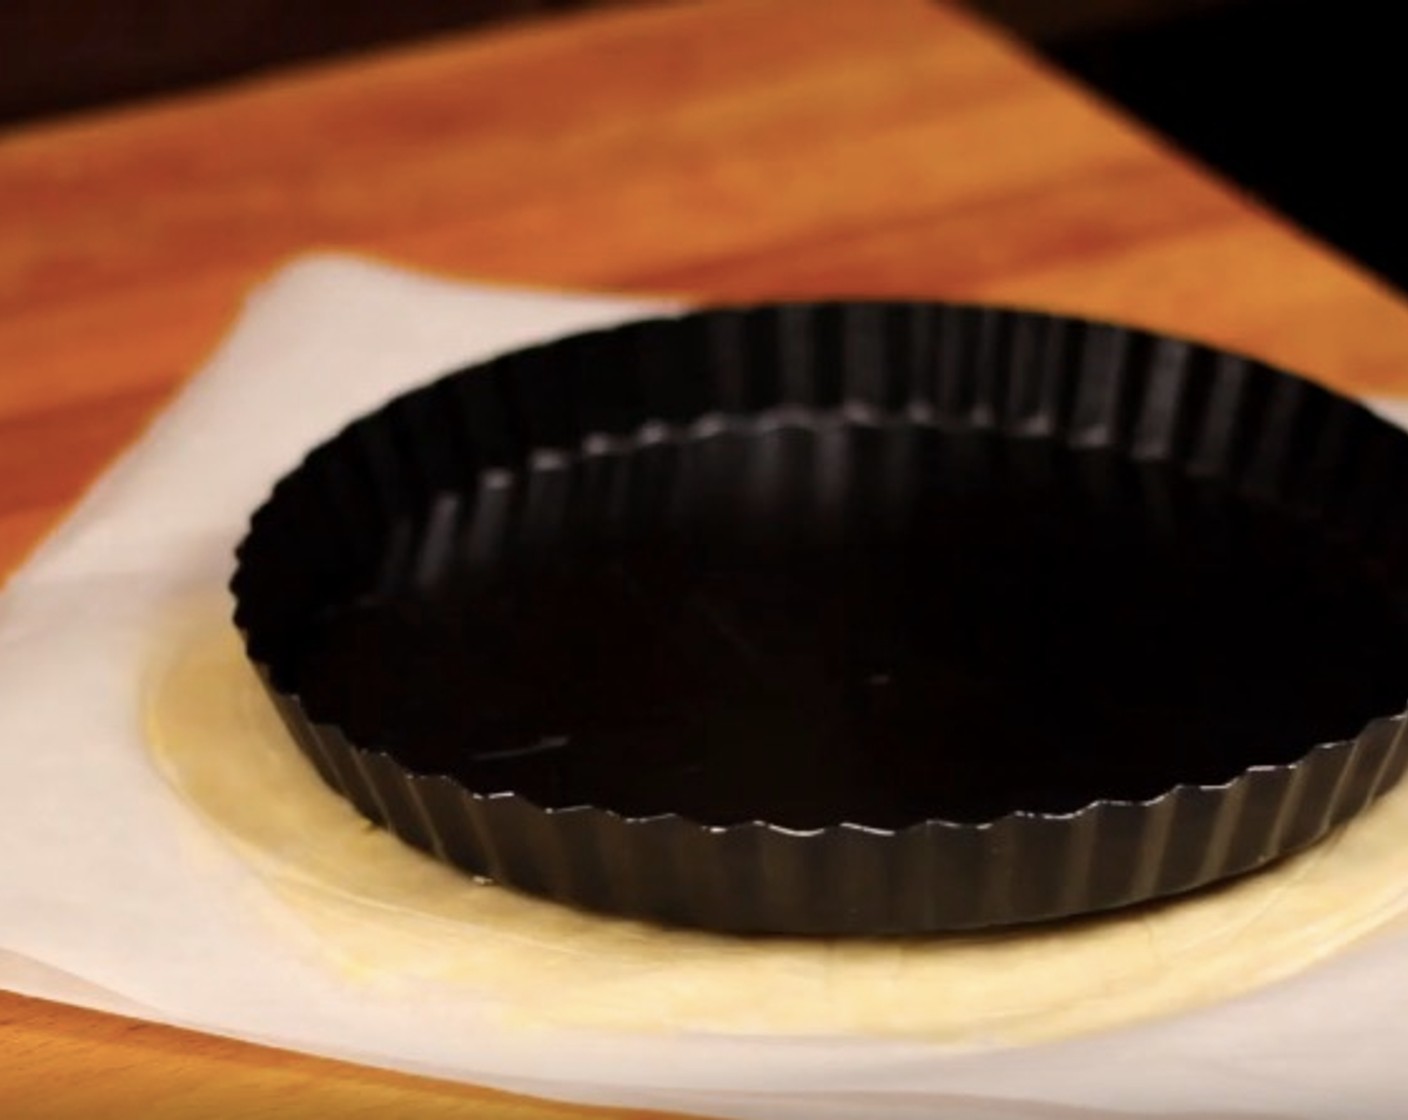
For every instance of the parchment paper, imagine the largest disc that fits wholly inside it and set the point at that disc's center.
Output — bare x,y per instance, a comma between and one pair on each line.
114,896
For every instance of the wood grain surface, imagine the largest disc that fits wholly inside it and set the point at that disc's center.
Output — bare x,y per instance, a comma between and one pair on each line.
731,150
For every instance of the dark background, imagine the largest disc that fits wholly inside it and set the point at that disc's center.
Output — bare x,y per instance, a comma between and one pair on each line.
1297,101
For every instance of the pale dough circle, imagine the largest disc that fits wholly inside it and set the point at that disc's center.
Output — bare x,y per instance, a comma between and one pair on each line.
388,915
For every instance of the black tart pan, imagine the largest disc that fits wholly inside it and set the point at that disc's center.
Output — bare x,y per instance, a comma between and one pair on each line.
846,618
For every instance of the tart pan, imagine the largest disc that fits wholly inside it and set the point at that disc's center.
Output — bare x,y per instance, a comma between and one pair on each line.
846,618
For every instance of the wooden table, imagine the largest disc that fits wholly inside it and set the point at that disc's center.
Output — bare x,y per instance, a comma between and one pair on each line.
730,149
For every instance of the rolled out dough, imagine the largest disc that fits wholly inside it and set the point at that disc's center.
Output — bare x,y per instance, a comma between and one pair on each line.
388,915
